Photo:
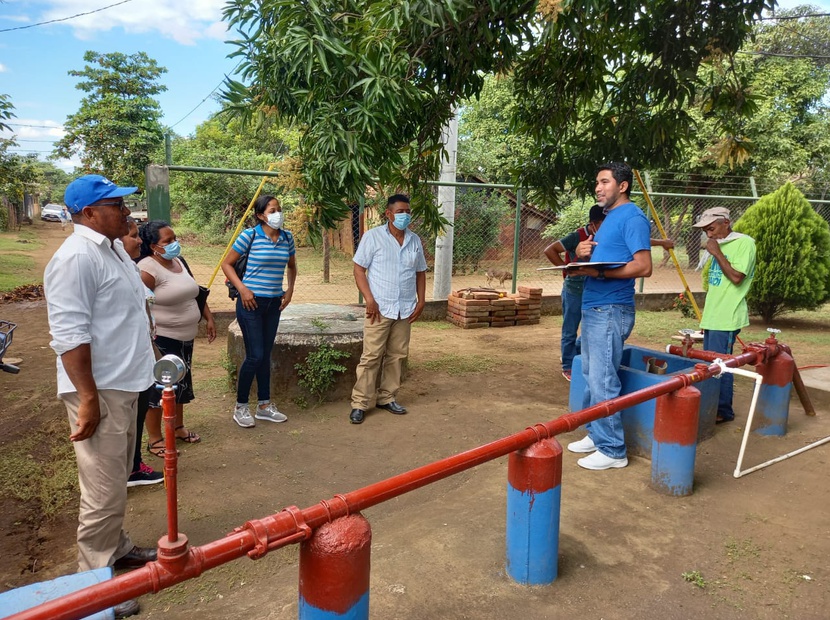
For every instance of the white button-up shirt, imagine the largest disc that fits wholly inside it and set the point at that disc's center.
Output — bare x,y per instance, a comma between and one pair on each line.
391,269
95,296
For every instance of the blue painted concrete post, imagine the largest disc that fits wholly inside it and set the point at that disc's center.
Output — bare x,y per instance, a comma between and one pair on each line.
334,571
675,442
773,406
534,492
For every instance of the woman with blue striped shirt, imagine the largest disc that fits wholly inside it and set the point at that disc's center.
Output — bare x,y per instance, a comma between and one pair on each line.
261,299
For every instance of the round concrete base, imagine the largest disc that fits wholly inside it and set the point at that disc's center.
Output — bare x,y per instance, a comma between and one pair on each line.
303,327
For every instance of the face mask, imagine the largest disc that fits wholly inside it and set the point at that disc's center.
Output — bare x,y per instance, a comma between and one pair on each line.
275,220
402,220
172,250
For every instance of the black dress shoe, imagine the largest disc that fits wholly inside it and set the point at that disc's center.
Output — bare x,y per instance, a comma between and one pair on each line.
393,407
356,416
136,558
126,609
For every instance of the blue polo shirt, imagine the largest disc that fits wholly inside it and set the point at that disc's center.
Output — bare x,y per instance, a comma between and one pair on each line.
266,260
624,232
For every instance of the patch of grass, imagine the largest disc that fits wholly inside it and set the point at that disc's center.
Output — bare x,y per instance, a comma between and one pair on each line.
17,270
41,468
741,549
696,578
459,365
230,369
435,325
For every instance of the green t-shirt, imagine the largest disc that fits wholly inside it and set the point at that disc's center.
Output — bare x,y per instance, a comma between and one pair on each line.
725,309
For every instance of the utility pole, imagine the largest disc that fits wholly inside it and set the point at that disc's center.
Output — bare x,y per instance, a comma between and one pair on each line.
442,285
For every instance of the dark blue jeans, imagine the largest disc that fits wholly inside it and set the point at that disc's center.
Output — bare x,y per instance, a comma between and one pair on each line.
571,316
722,342
259,329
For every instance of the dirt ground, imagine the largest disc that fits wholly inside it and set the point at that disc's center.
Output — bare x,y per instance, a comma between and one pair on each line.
755,547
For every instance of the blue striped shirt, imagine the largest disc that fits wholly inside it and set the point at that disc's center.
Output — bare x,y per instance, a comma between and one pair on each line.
391,269
266,260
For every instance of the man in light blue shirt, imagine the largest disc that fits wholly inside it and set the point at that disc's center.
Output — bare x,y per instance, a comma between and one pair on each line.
390,272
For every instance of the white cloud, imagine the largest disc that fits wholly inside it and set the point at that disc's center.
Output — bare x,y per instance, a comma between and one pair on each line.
184,22
2,68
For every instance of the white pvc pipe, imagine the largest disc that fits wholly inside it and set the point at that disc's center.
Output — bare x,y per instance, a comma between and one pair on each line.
758,381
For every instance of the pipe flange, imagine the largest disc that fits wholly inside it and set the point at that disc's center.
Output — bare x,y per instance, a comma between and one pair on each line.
260,534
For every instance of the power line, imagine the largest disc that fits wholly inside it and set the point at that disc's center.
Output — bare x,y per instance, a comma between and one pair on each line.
38,126
63,19
205,99
811,56
783,17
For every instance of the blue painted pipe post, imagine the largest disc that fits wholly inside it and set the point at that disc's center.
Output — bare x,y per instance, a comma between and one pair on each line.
534,493
334,571
675,442
773,406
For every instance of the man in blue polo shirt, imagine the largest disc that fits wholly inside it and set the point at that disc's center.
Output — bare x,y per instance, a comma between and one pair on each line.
608,309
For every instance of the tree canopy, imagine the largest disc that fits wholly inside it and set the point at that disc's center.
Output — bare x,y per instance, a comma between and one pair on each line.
117,126
372,82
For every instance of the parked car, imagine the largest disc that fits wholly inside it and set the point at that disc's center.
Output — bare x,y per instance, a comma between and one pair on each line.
51,212
138,210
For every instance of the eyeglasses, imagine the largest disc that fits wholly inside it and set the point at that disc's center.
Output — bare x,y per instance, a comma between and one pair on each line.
120,204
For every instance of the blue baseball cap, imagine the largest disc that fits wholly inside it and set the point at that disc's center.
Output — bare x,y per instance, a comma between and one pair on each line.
91,188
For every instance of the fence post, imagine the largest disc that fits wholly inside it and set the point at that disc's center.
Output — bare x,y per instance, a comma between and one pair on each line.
772,410
675,442
534,493
517,239
334,570
157,186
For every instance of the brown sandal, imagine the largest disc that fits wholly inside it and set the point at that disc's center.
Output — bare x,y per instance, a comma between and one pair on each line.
158,450
191,437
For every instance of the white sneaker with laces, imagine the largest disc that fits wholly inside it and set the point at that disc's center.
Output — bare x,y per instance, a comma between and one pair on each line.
270,413
242,416
598,461
584,445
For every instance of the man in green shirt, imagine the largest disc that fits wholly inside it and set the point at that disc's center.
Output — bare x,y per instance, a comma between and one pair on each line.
728,272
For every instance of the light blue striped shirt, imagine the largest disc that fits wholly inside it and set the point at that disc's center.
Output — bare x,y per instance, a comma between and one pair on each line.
266,260
391,269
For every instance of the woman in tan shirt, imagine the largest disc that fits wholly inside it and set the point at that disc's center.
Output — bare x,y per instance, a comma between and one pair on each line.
177,322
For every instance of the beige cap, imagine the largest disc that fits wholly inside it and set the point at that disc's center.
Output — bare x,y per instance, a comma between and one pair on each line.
712,215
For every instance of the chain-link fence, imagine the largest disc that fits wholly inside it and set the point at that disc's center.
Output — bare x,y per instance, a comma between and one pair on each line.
488,251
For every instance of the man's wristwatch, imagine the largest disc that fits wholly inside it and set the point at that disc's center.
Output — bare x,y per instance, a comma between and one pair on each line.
600,273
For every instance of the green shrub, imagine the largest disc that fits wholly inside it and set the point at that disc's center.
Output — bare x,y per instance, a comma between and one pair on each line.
317,372
569,219
792,270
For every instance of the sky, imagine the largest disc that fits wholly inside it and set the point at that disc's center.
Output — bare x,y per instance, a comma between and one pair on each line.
185,36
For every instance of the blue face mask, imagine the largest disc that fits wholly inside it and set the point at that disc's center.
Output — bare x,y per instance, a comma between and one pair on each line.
402,220
172,250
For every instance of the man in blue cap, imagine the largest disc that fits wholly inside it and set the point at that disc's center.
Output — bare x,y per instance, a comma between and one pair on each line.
98,323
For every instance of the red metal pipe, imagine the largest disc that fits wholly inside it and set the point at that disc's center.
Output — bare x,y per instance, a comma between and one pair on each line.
258,537
168,404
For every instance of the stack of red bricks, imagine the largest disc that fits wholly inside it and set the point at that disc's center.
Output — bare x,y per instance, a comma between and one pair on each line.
474,308
528,305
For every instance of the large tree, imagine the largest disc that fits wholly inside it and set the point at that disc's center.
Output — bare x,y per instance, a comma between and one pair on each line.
117,126
372,82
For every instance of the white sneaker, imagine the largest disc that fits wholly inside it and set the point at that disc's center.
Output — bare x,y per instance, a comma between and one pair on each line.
599,461
270,413
582,446
242,416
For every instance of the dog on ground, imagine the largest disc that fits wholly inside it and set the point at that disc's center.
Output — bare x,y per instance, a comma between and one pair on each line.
497,274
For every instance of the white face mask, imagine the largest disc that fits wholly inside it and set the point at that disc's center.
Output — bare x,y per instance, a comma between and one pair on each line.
275,220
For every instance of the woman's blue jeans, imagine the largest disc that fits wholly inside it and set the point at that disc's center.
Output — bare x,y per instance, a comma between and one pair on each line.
604,332
259,329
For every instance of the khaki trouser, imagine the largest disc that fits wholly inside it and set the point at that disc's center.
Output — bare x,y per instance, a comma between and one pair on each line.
386,344
104,464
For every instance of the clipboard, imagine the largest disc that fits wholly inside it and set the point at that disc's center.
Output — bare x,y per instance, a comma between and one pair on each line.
606,265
